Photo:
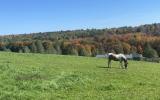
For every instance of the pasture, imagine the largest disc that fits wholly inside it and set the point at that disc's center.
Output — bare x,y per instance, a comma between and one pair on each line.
57,77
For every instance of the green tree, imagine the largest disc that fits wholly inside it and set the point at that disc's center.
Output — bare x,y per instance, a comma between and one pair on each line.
26,49
40,48
33,47
57,46
149,51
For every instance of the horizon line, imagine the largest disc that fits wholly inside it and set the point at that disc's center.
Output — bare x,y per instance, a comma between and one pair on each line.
63,30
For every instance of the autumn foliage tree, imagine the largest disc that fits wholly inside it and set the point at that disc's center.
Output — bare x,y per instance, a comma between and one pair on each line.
89,42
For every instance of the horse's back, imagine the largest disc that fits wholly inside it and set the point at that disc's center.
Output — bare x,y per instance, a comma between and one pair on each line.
118,56
123,56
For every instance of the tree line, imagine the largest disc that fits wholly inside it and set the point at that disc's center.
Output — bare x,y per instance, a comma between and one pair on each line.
142,39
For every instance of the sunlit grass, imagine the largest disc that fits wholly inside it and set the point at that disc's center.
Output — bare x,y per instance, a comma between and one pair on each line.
38,76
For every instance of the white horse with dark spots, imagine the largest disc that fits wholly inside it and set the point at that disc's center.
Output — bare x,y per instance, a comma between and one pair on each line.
117,57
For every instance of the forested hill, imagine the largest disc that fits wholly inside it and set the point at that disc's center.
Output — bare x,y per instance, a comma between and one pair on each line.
144,39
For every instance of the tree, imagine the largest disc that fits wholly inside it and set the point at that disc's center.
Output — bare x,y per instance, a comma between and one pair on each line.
33,47
57,46
133,49
82,51
4,48
88,50
49,49
118,48
126,48
94,51
139,49
64,47
150,52
26,49
158,50
40,48
73,51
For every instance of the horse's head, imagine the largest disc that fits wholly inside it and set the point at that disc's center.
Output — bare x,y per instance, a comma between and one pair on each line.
126,63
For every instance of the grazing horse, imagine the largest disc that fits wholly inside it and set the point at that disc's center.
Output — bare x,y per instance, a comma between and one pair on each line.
117,57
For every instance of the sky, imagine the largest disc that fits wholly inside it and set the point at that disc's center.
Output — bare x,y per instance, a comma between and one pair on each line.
28,16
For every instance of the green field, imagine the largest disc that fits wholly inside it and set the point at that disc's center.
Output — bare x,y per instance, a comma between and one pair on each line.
56,77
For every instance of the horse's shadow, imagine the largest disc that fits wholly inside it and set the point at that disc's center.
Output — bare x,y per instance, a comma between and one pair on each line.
107,67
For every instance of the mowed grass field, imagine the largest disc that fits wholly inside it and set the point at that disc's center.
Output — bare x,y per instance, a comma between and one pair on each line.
57,77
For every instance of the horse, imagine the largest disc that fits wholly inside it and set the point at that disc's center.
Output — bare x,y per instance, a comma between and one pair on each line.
117,57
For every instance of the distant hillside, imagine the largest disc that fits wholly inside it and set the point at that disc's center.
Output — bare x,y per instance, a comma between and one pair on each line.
88,42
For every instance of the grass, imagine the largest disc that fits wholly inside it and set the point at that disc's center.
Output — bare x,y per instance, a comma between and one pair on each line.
57,77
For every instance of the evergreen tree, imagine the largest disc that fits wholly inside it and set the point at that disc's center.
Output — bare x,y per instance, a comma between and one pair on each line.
57,46
149,51
33,48
26,49
40,48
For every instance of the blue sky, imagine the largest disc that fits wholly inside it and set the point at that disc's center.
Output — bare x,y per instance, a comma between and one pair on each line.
25,16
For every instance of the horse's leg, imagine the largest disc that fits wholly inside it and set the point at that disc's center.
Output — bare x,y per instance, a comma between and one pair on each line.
109,63
121,64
